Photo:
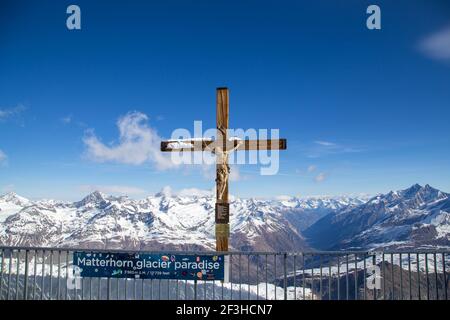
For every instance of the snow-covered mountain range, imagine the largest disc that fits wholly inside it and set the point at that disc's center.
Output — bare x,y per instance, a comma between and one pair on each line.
418,216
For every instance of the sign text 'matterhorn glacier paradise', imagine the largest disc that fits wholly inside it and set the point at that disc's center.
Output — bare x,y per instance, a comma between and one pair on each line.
149,266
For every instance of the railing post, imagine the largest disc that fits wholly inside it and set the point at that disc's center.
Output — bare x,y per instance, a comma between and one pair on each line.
346,277
9,273
34,274
374,263
285,276
59,275
50,296
17,274
1,273
436,276
67,274
418,275
443,271
43,275
195,289
108,287
25,281
427,277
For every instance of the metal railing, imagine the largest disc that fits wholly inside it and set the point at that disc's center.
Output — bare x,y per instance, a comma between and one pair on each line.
47,274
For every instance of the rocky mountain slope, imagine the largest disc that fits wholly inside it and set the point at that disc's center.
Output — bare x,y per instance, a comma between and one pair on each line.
161,221
417,217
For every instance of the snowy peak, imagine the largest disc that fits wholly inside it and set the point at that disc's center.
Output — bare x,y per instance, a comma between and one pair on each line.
165,219
415,196
94,199
414,216
15,199
419,215
422,194
411,191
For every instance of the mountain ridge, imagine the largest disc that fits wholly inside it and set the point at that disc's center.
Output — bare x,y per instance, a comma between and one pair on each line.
418,216
101,221
414,217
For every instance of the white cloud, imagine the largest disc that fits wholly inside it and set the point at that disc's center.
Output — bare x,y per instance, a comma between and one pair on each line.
3,157
322,148
437,45
283,197
320,177
312,168
138,144
67,119
112,189
195,192
168,191
11,112
325,143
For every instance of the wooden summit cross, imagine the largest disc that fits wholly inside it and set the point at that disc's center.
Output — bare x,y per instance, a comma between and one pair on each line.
221,147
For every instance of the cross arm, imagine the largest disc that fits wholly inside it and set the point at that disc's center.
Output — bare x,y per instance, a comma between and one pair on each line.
208,145
185,145
273,144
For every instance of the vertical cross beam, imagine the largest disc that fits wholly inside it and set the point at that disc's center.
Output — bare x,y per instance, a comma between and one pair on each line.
222,170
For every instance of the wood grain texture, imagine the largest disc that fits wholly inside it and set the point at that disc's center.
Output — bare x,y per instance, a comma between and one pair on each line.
209,145
274,144
222,236
222,110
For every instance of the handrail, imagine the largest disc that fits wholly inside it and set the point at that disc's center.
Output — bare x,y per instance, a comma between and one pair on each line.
306,252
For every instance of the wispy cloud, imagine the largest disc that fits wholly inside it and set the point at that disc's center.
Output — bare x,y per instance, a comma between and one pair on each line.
3,158
283,197
303,171
71,120
168,191
437,44
112,189
11,112
67,119
325,143
320,177
321,148
138,144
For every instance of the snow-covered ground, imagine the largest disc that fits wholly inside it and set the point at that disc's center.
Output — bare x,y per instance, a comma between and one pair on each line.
342,268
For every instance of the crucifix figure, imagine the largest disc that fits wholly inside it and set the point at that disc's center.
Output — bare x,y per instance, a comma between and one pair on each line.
221,147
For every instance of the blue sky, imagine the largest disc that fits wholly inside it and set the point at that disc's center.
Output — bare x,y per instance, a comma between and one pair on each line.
364,111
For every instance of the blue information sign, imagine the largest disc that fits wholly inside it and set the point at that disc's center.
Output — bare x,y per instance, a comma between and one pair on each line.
149,266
